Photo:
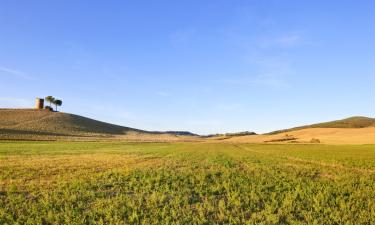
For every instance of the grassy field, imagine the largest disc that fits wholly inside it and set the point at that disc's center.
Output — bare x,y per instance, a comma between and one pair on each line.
185,183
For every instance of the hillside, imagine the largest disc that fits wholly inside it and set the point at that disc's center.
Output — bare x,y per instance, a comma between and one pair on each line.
354,130
31,124
43,124
323,135
352,122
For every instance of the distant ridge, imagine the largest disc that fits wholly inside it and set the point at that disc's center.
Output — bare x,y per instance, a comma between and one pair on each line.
228,135
185,133
351,122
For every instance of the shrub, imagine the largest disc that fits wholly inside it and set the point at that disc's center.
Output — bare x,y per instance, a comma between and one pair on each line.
315,140
49,108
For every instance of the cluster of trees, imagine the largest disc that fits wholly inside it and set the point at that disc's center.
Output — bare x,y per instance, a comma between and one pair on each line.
53,100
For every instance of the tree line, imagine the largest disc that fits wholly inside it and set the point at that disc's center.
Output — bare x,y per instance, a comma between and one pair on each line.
54,101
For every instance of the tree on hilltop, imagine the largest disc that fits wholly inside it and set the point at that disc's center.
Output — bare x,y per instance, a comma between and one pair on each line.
50,99
57,102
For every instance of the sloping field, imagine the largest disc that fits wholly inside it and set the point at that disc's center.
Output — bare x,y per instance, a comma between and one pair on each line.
353,130
55,122
185,183
324,135
46,125
352,122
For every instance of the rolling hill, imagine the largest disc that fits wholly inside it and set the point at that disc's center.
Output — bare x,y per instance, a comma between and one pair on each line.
320,135
353,130
352,122
31,124
43,124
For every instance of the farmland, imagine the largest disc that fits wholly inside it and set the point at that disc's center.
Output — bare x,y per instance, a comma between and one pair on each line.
185,183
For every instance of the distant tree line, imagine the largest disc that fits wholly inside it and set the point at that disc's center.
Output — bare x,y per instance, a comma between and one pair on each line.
52,101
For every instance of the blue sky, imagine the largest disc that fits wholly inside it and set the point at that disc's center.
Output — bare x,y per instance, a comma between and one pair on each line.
205,66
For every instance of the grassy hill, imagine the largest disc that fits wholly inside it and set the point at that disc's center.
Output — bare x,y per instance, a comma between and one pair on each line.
352,122
353,130
41,124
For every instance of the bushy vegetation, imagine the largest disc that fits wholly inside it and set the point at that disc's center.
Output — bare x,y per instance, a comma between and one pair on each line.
287,137
185,183
315,141
53,100
49,108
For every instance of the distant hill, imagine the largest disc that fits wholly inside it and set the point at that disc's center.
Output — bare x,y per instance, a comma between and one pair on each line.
244,133
185,133
352,122
353,130
229,135
26,123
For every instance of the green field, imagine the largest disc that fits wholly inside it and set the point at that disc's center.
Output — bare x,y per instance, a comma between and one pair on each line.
185,183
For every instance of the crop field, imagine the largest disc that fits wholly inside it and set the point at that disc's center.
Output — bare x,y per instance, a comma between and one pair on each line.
185,183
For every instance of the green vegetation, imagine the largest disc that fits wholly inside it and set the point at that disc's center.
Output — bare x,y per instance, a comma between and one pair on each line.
185,183
287,137
53,100
49,99
57,102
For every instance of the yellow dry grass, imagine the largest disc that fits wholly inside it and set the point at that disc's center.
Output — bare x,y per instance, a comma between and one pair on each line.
46,170
325,135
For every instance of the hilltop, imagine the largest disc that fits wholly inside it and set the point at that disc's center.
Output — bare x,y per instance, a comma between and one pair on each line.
44,124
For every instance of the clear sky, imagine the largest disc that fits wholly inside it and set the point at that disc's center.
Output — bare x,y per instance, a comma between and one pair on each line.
205,66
